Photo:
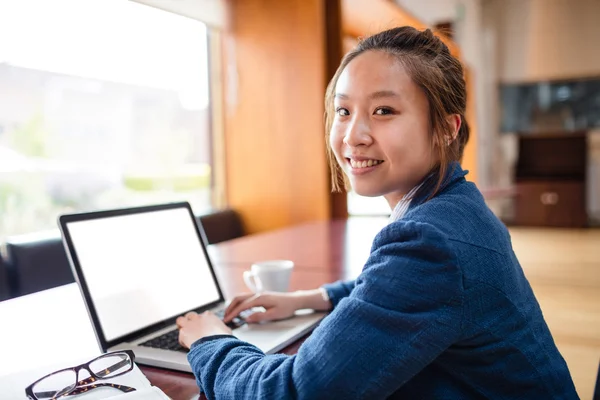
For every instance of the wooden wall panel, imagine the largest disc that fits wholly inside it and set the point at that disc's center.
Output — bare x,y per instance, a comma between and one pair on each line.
469,160
334,43
275,62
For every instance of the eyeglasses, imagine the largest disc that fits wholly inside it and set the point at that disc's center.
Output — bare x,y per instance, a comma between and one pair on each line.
67,382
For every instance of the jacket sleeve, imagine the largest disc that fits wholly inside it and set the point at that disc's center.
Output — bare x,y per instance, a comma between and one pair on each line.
404,311
338,290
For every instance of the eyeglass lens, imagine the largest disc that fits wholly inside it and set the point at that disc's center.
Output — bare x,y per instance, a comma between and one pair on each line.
56,385
110,365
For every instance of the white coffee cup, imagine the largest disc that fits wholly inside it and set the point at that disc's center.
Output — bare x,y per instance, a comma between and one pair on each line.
271,275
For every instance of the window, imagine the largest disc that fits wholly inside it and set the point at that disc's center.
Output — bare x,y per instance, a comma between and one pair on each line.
367,206
103,104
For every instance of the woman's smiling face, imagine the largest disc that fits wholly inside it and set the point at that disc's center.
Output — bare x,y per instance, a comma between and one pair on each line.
381,133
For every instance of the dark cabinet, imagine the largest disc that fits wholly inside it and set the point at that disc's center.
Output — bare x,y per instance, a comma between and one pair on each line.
559,204
550,181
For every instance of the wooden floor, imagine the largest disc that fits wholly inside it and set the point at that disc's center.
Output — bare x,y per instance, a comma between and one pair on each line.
563,267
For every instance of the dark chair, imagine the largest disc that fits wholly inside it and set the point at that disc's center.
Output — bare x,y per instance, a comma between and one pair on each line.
221,225
4,294
36,264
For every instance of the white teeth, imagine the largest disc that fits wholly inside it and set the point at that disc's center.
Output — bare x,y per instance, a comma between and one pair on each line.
364,164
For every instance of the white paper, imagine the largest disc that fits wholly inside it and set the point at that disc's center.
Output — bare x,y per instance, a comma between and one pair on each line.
152,393
45,328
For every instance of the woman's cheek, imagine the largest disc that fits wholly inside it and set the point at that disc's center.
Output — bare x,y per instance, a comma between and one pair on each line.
335,140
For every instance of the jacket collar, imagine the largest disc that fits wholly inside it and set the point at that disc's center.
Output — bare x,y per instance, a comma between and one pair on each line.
454,175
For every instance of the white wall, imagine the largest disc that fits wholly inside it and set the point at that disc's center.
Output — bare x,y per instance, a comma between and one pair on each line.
431,11
547,39
593,184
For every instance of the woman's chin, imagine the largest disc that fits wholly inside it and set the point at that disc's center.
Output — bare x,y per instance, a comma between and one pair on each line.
366,192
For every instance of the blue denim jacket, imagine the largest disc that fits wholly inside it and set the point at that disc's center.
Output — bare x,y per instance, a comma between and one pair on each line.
441,310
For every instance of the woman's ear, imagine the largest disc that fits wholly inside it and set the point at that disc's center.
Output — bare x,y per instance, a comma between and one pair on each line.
454,122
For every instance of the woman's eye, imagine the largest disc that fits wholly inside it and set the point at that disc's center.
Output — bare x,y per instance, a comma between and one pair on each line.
384,111
342,112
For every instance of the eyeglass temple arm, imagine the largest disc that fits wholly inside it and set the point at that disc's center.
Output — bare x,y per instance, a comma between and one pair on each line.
83,389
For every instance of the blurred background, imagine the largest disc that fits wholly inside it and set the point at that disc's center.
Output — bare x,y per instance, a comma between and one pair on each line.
114,103
109,103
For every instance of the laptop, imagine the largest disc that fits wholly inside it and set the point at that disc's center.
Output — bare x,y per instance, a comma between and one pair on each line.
140,268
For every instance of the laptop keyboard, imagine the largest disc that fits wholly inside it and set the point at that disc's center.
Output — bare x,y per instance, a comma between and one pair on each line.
170,340
166,341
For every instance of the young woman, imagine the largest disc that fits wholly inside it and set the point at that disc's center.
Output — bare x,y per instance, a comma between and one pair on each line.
442,309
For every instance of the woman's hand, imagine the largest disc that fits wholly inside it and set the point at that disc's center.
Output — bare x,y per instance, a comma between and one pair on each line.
276,305
195,326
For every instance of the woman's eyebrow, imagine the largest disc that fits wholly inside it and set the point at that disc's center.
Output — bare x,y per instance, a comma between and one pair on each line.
375,95
383,93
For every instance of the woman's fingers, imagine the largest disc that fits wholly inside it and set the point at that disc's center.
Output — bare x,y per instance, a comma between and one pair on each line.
234,303
199,326
254,301
268,315
238,308
180,321
191,315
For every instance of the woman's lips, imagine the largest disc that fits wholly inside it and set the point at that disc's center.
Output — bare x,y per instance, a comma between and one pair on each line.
362,166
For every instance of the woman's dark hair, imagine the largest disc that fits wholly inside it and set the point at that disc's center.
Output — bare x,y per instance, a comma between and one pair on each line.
430,65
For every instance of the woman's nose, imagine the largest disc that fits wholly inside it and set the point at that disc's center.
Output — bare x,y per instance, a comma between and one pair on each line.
358,133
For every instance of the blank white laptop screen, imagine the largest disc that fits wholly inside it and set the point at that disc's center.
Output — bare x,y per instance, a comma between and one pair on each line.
143,268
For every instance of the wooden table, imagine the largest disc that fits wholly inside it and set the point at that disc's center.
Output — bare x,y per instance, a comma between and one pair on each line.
338,246
322,251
